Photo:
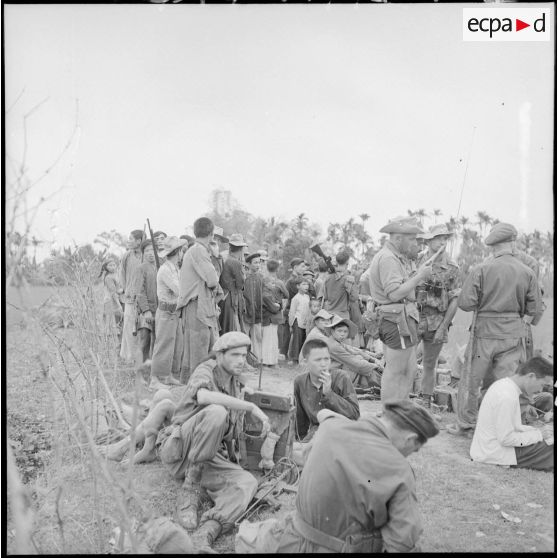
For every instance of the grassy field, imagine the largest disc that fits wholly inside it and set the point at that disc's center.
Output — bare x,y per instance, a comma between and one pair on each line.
76,511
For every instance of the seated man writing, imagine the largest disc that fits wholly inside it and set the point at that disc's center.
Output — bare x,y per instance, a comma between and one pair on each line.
320,388
357,491
500,438
201,445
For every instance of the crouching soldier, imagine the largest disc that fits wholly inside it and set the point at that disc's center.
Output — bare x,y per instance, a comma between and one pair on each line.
357,490
201,445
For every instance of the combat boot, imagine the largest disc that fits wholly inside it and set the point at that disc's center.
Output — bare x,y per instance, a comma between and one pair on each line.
209,531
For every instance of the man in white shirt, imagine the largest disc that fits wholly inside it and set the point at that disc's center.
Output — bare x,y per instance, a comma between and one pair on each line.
500,438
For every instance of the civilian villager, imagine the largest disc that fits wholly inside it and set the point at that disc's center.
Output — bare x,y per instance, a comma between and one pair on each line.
128,266
277,292
298,266
198,288
169,342
112,307
232,282
500,438
145,288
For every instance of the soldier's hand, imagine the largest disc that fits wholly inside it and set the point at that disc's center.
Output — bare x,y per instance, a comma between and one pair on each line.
148,316
258,414
548,416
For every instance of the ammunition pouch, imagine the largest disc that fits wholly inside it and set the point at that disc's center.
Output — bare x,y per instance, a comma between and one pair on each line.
399,314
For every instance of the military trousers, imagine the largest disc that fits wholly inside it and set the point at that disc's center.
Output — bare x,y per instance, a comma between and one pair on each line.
492,359
228,485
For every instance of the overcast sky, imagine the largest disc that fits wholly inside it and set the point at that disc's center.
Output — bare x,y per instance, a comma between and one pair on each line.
328,110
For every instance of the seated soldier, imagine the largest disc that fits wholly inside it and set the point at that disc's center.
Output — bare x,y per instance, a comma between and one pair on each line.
500,438
159,416
319,388
357,491
362,366
201,445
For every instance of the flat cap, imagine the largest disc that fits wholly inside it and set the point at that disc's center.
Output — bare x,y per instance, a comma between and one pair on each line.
501,232
253,256
296,261
416,418
231,340
402,225
435,230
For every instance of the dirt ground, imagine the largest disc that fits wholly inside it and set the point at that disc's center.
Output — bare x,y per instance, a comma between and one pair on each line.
75,512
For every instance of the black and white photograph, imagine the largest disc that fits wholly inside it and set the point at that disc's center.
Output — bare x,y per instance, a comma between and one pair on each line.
279,278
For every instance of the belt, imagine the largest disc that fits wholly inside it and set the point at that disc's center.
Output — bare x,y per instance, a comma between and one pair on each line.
488,314
317,537
333,543
167,306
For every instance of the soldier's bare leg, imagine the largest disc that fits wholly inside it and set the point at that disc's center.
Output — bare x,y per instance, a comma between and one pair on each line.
398,376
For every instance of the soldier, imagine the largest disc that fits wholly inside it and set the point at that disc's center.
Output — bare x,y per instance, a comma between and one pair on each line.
437,304
392,288
357,490
202,443
505,295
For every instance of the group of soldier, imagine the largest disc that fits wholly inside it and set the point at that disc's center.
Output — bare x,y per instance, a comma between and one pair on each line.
357,490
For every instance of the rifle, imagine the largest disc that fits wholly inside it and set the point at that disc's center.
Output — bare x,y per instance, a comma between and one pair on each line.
317,249
434,257
153,244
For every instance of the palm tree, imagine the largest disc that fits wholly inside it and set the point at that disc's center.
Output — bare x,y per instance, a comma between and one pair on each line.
421,214
436,213
484,221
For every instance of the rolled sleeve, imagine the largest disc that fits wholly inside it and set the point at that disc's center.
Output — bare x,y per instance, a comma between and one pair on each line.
201,379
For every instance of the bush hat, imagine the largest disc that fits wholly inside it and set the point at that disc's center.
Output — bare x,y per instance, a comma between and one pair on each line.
338,320
172,243
402,225
237,239
435,230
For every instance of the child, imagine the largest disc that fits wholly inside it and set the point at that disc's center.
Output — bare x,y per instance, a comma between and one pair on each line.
299,316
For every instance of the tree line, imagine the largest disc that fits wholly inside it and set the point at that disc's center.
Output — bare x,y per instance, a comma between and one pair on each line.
285,239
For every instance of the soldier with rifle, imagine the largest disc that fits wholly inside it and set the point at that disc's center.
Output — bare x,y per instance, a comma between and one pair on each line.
393,282
504,295
437,304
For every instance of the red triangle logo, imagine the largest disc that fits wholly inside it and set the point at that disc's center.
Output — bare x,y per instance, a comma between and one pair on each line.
519,25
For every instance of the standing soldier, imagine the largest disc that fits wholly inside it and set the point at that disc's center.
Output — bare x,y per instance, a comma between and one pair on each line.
128,266
392,289
504,294
437,304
